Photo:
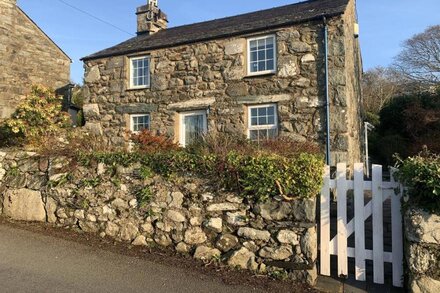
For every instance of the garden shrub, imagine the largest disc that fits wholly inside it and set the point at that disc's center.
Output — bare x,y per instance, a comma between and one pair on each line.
259,176
421,176
147,142
36,118
265,176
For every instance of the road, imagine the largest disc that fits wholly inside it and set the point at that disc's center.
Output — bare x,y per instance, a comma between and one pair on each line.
32,262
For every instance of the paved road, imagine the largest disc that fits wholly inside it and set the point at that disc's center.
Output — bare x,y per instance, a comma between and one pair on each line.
34,263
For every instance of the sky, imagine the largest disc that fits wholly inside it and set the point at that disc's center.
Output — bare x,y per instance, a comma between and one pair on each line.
384,24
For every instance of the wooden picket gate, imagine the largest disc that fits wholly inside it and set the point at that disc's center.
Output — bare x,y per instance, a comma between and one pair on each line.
380,191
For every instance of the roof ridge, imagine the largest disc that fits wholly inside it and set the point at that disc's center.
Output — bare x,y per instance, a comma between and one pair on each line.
227,26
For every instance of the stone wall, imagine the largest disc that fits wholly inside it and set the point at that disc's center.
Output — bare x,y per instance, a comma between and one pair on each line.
212,75
186,215
27,57
422,251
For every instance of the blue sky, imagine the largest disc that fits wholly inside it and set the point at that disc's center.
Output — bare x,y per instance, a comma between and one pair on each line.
384,24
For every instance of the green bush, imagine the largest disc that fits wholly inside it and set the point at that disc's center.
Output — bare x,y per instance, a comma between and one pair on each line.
421,176
259,176
38,117
266,176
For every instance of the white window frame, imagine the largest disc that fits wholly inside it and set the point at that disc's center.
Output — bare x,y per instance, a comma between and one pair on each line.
139,115
262,127
131,59
249,72
182,115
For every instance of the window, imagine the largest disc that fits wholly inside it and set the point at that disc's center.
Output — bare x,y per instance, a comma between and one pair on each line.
192,126
263,122
139,122
262,55
139,72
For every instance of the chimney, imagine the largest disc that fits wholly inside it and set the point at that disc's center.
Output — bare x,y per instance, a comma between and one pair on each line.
150,19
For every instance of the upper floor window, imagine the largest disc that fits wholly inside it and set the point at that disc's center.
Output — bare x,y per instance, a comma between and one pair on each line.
262,55
139,72
263,122
138,122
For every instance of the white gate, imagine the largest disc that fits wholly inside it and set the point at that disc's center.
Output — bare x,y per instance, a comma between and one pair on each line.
380,192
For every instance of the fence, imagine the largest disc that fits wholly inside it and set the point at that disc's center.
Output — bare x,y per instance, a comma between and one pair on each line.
380,191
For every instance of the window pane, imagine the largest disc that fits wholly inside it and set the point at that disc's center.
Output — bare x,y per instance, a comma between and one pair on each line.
261,55
262,111
271,120
261,66
261,44
253,45
254,135
269,65
254,112
269,54
262,134
254,56
270,42
272,133
254,66
270,110
262,120
254,121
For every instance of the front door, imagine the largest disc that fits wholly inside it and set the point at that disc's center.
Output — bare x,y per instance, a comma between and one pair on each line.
192,126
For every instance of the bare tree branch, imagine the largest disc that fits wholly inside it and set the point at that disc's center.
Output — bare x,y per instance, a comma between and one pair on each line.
419,61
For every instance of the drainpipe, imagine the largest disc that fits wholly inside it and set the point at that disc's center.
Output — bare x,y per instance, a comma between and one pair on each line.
327,99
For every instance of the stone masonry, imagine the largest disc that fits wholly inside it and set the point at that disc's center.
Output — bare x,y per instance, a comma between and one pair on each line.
27,57
184,214
212,75
422,251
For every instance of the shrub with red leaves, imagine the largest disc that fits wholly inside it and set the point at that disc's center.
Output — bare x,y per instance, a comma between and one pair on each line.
287,147
147,142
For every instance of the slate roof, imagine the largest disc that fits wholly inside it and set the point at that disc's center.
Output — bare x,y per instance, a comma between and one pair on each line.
227,27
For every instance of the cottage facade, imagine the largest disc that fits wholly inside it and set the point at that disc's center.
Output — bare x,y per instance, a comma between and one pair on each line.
261,74
27,56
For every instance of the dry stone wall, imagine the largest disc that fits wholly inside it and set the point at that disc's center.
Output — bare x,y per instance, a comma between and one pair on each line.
186,215
422,237
27,57
212,75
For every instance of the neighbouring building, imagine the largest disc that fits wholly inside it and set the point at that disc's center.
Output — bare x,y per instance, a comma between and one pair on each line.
27,56
261,74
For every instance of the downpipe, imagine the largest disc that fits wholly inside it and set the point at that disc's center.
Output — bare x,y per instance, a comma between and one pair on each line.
327,98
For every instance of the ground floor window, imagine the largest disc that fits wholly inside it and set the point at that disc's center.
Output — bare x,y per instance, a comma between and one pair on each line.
138,122
263,122
192,126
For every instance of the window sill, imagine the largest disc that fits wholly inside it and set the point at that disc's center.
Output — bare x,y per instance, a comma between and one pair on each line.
262,74
138,88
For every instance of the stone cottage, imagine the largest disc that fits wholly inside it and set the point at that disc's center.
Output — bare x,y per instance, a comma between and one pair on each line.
27,56
261,74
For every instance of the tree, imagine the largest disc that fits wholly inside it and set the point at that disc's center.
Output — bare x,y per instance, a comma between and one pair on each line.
419,61
379,86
